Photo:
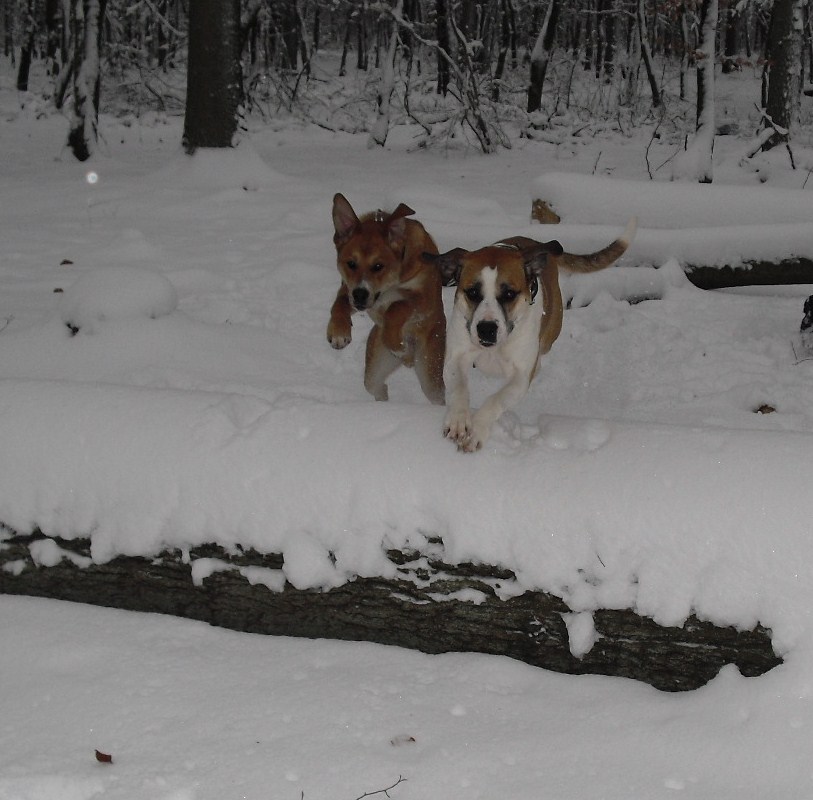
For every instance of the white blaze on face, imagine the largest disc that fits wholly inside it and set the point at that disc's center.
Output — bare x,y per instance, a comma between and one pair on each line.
489,309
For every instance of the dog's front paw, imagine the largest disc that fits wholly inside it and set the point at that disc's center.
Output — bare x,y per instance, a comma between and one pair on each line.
457,425
338,335
479,431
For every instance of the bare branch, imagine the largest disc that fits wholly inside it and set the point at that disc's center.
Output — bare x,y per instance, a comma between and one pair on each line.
385,792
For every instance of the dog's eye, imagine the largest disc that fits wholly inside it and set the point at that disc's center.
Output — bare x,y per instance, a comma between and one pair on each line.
351,265
377,267
507,295
474,294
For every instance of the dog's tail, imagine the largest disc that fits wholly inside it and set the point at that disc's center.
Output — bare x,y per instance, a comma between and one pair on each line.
593,262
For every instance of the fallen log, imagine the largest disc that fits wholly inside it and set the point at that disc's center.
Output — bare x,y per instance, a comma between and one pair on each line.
782,272
429,605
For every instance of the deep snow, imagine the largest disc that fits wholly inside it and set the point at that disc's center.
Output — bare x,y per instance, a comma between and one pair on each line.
199,400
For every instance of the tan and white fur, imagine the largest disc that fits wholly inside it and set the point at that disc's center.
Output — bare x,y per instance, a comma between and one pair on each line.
507,313
383,273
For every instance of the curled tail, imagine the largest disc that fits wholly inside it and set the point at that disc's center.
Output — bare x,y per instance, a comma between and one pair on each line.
593,262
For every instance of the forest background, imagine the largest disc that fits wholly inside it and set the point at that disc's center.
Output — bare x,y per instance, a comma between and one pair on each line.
482,71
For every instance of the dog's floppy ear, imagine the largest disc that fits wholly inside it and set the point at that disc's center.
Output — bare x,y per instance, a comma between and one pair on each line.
344,219
396,225
448,264
537,258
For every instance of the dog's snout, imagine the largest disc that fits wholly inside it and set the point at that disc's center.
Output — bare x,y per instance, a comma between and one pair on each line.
487,333
361,297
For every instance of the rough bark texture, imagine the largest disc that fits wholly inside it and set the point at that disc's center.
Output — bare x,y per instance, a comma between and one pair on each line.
752,273
421,608
214,75
784,65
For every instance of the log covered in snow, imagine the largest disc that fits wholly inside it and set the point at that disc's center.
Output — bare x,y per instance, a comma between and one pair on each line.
720,235
428,605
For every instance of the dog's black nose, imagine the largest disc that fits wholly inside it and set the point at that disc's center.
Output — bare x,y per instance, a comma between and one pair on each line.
487,333
360,297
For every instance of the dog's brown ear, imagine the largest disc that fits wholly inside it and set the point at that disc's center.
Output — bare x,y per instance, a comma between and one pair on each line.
403,210
537,259
448,264
344,219
396,225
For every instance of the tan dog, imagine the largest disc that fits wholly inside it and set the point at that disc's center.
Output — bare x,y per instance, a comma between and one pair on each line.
379,259
507,313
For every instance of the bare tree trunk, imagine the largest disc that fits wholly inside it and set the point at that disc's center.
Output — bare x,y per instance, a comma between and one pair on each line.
346,42
646,54
507,36
784,65
684,50
730,45
362,56
380,128
214,74
442,23
27,50
540,56
704,135
83,135
53,52
609,27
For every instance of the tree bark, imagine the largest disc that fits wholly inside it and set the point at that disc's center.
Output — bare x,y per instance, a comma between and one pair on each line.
507,38
27,50
431,606
442,30
646,54
784,69
704,131
730,47
381,127
540,56
83,135
784,272
214,75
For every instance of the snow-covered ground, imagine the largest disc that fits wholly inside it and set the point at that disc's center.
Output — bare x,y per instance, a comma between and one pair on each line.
179,389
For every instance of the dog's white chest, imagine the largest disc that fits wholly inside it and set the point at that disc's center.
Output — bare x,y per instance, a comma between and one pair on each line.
491,361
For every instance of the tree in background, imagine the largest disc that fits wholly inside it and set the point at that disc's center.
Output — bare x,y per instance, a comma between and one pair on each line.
646,54
706,58
27,49
783,67
458,67
83,135
540,56
381,126
214,82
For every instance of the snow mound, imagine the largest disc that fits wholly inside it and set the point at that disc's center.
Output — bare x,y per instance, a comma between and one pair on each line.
224,168
116,293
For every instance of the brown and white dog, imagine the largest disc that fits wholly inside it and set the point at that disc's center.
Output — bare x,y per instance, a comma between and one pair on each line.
507,313
383,273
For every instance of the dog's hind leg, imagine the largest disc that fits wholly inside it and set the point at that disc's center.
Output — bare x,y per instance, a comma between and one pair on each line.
380,364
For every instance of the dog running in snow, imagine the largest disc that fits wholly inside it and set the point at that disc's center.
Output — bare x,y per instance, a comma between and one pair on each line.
383,273
507,313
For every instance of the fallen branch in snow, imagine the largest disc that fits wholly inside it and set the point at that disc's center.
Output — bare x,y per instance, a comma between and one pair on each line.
385,792
431,606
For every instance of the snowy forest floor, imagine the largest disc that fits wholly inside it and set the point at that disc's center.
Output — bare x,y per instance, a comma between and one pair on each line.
636,473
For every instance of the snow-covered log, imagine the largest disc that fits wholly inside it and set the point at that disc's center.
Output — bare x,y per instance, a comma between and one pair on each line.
720,235
430,605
